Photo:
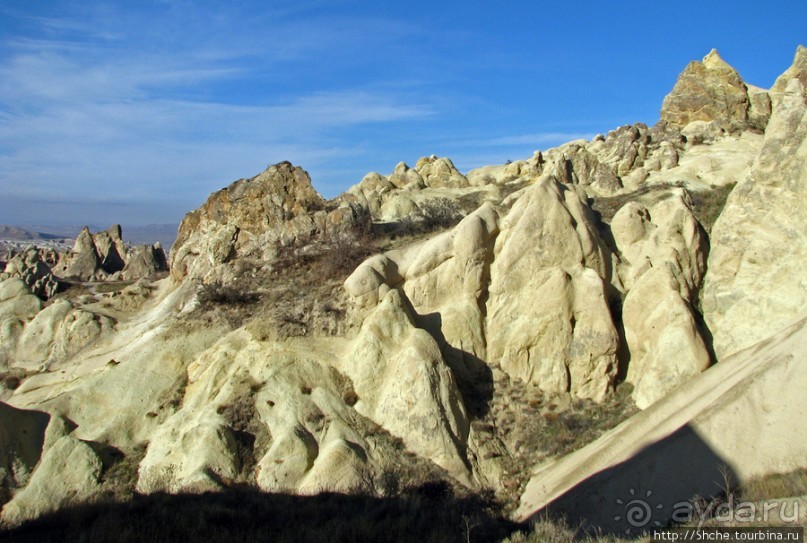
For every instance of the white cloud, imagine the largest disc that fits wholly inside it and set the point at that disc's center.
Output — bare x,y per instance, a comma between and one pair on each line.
96,119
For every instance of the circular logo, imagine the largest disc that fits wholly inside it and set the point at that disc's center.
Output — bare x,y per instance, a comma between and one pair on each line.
637,511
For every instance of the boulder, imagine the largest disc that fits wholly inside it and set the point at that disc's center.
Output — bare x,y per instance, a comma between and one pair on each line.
56,333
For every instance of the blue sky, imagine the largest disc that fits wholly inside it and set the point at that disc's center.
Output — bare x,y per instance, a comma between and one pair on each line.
134,112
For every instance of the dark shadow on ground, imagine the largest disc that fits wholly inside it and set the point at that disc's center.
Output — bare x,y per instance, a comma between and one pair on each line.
652,489
430,513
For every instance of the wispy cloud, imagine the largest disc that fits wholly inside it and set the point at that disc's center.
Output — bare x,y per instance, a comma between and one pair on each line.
88,116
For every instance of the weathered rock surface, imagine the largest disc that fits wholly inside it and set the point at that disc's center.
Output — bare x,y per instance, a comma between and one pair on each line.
56,333
144,260
17,306
35,271
710,91
104,256
67,474
663,258
756,283
531,297
250,218
736,416
440,172
404,385
83,261
22,437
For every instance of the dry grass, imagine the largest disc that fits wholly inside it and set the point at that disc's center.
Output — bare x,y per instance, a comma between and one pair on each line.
707,205
524,427
777,485
425,514
558,531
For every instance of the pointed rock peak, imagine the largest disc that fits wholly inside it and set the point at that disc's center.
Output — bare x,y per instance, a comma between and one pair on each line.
115,232
400,168
713,61
708,91
797,70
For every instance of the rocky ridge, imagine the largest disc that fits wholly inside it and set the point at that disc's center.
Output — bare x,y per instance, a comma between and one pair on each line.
217,379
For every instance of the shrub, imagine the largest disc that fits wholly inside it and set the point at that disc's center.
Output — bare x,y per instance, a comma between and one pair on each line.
217,293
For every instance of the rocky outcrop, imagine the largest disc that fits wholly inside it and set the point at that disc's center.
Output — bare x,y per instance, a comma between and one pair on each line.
22,437
756,283
56,333
17,306
110,249
797,70
548,320
83,262
32,268
735,420
104,256
527,290
143,261
440,172
403,384
68,474
532,303
250,219
710,91
663,258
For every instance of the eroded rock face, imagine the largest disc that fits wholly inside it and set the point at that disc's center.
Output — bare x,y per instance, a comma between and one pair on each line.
83,262
68,474
144,260
526,291
104,256
756,283
548,320
403,384
22,437
663,253
708,91
249,219
35,271
57,332
440,172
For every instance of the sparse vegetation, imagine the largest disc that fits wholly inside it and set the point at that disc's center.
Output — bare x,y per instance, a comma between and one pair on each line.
776,485
524,427
432,215
707,205
429,513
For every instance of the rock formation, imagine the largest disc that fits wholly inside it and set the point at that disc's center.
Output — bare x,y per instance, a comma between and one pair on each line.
35,271
663,252
301,344
710,91
104,255
756,283
250,219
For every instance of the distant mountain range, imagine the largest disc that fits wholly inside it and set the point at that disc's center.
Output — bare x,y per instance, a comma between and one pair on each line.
21,234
